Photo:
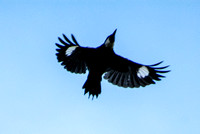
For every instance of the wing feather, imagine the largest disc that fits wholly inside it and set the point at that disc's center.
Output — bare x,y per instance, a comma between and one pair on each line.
74,59
74,40
126,73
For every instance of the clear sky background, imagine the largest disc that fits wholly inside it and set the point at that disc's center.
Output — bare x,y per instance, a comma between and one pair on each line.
37,96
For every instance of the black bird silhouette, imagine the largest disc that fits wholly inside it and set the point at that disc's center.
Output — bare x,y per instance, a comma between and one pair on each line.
118,70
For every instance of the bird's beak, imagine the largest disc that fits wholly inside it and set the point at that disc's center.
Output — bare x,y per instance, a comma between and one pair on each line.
109,42
114,32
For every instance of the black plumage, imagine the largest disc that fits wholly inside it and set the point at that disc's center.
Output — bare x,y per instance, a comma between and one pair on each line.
103,60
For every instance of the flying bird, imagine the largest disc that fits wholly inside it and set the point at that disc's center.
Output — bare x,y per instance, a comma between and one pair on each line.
103,60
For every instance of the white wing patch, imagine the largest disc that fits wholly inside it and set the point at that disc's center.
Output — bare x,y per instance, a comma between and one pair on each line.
143,72
70,50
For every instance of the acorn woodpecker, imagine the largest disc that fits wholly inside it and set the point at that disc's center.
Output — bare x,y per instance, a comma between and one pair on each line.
103,60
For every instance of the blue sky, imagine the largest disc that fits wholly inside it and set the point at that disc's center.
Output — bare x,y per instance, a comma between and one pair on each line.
37,96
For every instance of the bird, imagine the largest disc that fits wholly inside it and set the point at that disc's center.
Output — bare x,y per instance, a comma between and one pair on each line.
102,61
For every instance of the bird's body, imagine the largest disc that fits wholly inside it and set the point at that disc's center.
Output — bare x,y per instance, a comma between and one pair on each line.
100,60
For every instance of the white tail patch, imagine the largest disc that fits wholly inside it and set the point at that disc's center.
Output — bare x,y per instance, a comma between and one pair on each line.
70,50
143,72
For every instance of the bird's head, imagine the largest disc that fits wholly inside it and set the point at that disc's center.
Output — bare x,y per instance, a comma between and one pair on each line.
110,40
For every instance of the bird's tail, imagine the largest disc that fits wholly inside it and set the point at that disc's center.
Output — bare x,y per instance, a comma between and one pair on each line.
93,84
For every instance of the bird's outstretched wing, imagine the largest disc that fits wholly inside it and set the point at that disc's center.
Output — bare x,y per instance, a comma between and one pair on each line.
126,73
72,55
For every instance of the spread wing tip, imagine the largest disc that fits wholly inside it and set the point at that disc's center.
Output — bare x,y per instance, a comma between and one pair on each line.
137,75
